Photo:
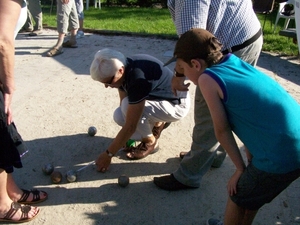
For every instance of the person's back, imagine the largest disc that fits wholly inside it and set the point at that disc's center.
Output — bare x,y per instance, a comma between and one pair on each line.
147,78
228,17
261,113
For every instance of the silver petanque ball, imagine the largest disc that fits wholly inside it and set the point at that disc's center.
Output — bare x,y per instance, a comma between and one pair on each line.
71,176
48,168
123,180
92,131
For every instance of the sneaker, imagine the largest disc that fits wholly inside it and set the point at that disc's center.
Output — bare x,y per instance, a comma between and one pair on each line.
213,222
219,159
35,33
170,183
79,34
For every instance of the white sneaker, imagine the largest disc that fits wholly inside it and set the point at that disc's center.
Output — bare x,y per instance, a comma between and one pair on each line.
79,34
213,222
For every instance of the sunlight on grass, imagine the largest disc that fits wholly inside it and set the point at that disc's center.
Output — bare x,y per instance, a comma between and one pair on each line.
158,22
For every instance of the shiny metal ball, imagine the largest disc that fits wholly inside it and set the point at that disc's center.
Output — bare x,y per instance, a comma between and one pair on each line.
71,176
123,180
48,168
92,131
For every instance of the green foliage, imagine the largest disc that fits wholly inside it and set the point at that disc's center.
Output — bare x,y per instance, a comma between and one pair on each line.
155,21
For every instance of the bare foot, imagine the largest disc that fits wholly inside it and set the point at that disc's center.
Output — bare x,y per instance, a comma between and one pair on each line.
17,212
28,197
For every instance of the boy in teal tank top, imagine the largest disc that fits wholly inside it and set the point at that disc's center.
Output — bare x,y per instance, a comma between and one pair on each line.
243,100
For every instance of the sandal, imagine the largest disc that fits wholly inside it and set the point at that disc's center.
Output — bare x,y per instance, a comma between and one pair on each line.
69,44
13,210
142,150
156,131
36,196
55,51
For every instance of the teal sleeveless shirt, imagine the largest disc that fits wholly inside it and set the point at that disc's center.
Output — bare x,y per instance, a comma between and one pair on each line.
264,116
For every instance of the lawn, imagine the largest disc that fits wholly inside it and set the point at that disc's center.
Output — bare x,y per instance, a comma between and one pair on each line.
154,21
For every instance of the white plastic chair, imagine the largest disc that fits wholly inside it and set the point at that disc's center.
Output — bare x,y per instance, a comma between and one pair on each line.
280,15
98,4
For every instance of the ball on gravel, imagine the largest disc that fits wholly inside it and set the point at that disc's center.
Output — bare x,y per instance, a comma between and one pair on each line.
71,176
56,177
48,168
123,180
92,131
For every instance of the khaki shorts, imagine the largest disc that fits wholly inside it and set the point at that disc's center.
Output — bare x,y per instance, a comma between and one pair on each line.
67,17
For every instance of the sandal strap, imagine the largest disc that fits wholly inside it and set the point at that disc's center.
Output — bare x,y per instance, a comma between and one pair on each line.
25,209
26,193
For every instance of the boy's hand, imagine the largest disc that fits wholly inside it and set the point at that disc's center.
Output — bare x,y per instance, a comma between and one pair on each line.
232,183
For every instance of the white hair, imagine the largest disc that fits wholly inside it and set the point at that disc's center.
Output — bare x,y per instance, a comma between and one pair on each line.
106,63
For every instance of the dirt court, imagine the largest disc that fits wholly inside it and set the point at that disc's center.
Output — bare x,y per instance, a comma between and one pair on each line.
56,101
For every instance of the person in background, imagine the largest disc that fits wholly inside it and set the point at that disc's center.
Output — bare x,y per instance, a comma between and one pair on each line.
261,113
79,7
13,14
34,14
147,104
235,24
66,18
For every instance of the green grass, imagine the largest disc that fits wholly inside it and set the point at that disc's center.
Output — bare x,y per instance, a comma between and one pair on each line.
150,21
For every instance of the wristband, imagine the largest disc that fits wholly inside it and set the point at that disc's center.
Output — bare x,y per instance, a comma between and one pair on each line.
176,74
109,153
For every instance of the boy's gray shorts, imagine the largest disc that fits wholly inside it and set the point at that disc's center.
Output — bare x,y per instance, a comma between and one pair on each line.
256,187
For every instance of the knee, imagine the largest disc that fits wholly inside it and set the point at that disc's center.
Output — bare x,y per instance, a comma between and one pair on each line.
118,117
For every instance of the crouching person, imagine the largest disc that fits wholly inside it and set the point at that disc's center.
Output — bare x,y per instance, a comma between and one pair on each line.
147,103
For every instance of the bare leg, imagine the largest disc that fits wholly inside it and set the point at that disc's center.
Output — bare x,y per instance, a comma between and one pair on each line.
60,40
15,193
73,35
235,215
5,201
12,188
81,24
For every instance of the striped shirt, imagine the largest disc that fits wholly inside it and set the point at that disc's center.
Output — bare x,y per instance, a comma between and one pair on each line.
231,21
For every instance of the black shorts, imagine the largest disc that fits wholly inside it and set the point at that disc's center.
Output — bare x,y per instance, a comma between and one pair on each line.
256,188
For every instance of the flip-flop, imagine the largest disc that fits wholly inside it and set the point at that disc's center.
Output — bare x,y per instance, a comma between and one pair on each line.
12,211
36,197
69,44
55,51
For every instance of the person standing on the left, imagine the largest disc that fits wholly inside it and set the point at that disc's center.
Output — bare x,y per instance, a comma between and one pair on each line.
12,198
35,14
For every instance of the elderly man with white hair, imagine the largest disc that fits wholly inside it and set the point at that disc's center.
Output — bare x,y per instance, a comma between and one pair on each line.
147,104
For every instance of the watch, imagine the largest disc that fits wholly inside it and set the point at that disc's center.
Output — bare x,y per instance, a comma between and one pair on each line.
109,153
176,74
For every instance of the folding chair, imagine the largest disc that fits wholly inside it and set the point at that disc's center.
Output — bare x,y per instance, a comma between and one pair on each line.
263,7
281,15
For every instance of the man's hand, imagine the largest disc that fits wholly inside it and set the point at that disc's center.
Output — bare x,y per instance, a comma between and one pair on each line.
179,85
103,162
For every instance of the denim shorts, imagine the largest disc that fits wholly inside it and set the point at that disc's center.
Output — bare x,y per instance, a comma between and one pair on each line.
256,188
